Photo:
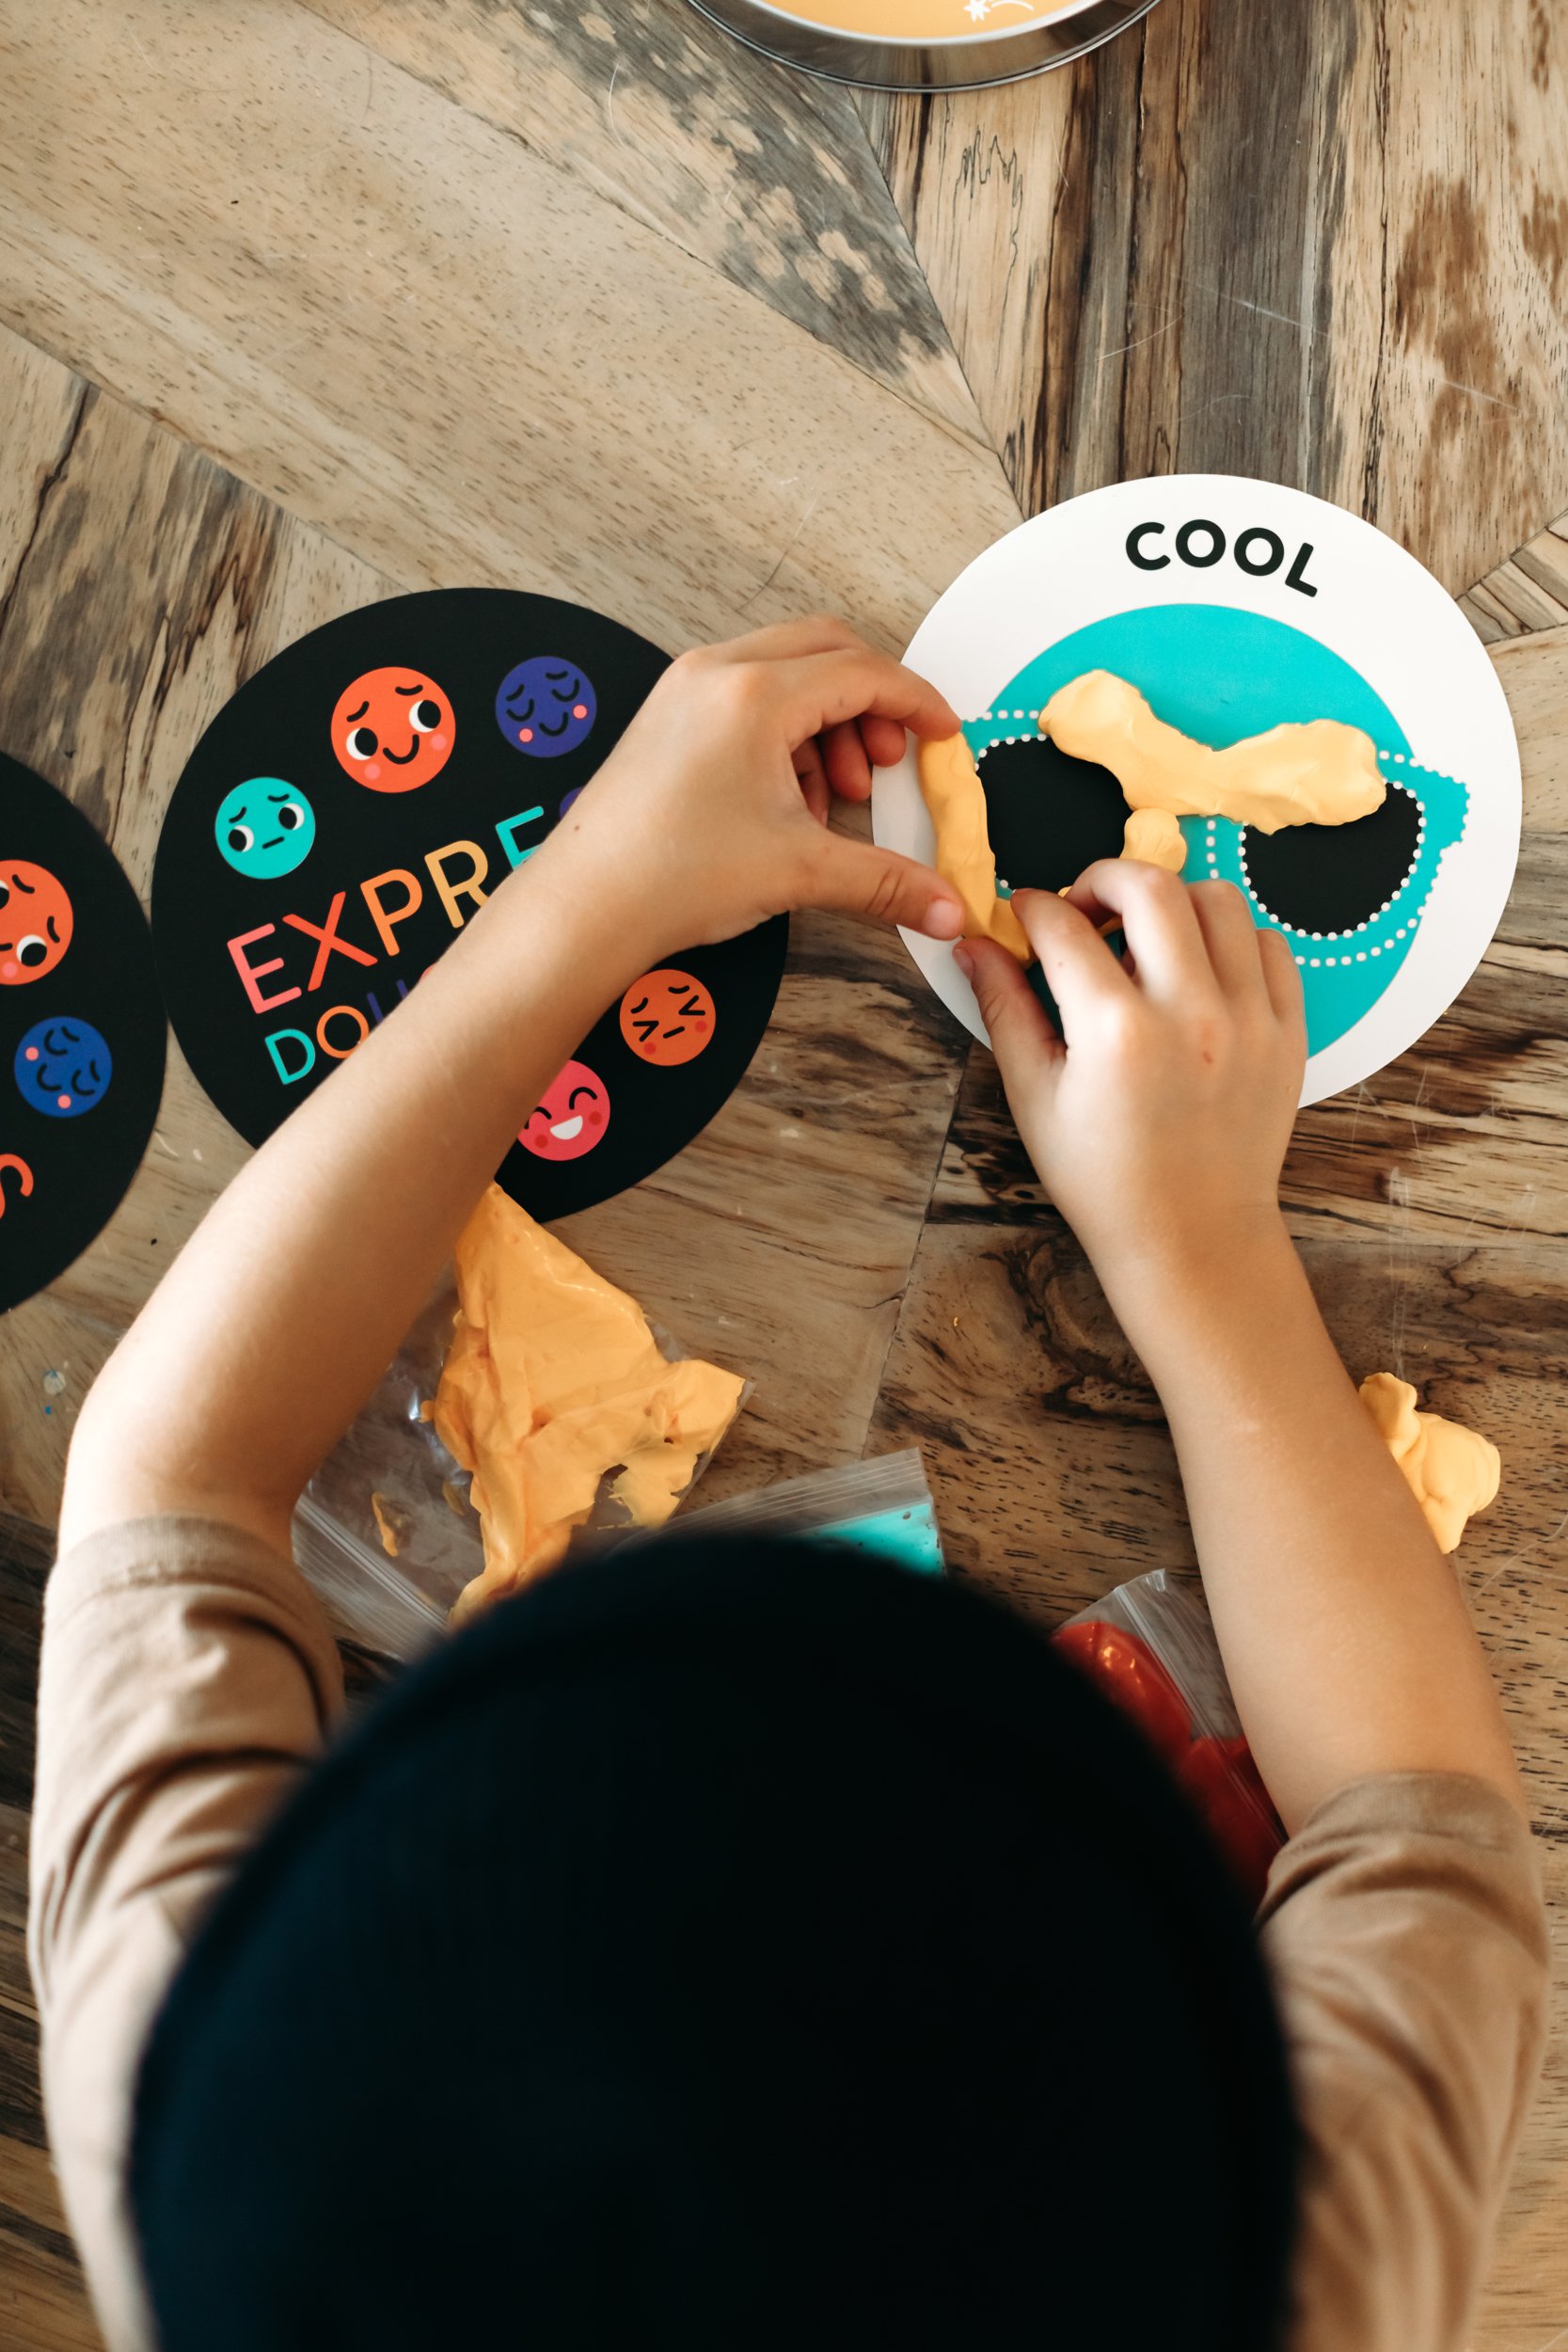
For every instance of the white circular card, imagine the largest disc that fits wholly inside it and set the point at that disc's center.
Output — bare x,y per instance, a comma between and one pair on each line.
1233,605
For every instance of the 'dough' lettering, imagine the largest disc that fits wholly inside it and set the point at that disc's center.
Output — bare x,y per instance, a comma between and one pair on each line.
1201,544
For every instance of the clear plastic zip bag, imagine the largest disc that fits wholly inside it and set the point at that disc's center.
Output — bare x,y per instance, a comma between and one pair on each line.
386,1531
882,1506
1151,1647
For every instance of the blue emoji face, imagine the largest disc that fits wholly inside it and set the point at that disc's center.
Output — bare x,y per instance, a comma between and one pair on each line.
63,1068
545,707
265,828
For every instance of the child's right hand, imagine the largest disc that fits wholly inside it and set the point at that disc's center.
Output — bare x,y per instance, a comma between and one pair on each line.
1160,1120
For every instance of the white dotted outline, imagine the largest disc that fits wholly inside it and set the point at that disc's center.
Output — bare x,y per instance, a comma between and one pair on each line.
1357,928
1314,963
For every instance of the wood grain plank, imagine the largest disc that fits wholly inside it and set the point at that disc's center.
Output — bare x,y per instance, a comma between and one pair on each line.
358,308
765,175
1527,590
1345,273
1534,675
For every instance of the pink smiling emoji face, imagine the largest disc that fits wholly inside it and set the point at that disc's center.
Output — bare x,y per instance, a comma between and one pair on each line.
570,1117
393,730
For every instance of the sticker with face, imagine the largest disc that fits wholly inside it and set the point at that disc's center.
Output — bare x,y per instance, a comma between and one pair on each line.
63,1067
667,1017
570,1117
265,828
393,730
544,707
35,922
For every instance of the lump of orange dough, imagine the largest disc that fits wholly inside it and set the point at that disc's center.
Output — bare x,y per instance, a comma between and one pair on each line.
951,788
1153,836
1450,1470
1317,774
552,1379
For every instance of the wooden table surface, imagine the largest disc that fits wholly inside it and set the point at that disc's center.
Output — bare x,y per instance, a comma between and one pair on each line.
306,302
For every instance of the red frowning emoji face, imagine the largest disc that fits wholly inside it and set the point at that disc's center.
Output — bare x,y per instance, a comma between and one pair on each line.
393,730
667,1017
35,922
570,1117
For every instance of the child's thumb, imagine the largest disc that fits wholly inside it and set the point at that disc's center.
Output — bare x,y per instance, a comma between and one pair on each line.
855,877
1022,1037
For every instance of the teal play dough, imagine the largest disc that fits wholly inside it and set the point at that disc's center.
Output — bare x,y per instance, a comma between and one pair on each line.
1220,675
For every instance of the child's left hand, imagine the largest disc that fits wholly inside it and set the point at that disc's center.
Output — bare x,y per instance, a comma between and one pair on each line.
711,813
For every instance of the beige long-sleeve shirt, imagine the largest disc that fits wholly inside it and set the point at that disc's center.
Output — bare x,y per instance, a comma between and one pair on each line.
189,1679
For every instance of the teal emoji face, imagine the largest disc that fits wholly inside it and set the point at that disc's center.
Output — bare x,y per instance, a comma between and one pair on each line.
265,828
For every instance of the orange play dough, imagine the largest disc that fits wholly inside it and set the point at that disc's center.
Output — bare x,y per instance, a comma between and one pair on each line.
1317,774
951,790
1450,1470
1153,837
552,1380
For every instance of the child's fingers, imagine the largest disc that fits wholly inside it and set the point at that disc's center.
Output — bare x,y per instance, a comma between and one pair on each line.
1155,911
1230,937
1083,975
843,756
859,878
824,689
813,779
789,641
1022,1037
884,739
1282,979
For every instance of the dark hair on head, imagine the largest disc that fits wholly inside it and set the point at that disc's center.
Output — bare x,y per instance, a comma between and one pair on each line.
724,1944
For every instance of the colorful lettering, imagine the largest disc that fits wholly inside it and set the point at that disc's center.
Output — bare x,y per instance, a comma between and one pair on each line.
450,891
506,832
352,1012
273,1044
24,1176
384,917
250,972
330,943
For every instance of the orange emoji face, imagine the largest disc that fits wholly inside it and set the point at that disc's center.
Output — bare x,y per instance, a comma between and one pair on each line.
667,1017
35,922
393,730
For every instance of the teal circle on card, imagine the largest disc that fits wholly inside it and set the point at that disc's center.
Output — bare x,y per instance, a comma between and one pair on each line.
1219,675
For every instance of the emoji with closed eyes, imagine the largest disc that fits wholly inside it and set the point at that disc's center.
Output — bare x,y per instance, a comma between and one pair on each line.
666,1018
570,1117
63,1067
393,730
545,707
35,922
265,828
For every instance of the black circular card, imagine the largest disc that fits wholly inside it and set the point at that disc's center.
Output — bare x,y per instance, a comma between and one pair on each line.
346,814
81,1033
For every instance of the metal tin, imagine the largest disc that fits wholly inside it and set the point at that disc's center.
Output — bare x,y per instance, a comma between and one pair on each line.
922,59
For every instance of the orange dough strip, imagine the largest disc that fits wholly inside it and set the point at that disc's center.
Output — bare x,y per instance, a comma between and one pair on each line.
951,788
552,1380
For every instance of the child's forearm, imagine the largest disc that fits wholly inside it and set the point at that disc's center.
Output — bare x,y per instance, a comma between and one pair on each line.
289,1302
1345,1637
283,1309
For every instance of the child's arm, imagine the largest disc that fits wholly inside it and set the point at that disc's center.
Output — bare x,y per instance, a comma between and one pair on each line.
287,1305
1159,1129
